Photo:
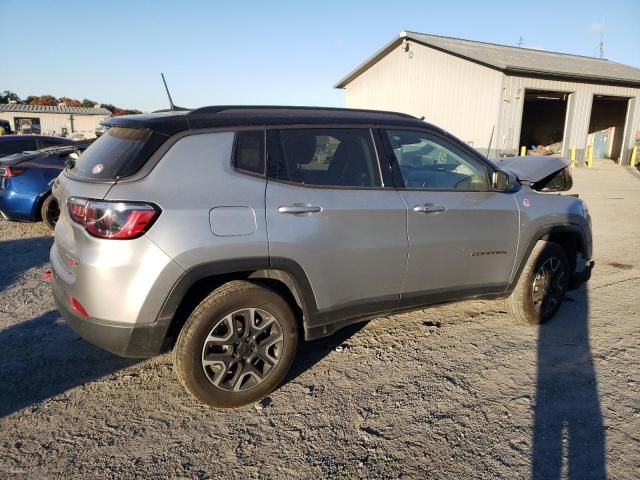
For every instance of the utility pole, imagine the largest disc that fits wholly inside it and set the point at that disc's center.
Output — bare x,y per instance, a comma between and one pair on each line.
520,42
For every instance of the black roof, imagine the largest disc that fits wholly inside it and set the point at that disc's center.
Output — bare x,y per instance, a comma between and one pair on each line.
170,122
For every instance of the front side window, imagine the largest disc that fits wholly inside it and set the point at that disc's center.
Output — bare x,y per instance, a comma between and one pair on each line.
432,163
339,157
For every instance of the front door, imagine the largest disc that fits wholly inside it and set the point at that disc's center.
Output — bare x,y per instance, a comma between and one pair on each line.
329,210
462,235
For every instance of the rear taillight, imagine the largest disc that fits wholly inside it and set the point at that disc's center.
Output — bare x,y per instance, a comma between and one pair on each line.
11,171
113,220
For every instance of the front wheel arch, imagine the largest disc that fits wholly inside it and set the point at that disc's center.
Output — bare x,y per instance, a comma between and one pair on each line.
569,237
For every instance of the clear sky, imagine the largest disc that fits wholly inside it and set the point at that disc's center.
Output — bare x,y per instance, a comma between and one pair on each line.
266,52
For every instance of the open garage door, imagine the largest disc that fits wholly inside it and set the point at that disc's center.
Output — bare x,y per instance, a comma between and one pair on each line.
543,121
607,126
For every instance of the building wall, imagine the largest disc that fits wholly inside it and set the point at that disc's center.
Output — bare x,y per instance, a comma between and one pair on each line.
52,123
460,96
578,112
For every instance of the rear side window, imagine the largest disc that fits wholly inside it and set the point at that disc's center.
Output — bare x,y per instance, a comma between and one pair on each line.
340,157
17,146
250,151
120,152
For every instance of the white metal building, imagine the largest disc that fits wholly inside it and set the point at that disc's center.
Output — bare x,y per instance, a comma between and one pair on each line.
503,98
49,120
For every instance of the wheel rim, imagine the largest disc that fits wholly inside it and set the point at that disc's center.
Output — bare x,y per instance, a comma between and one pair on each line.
548,286
53,212
242,349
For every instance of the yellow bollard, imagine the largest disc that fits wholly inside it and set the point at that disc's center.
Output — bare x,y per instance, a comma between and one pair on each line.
573,155
523,151
589,156
634,153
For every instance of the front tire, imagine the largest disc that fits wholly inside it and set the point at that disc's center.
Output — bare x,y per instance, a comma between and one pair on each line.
237,346
542,285
50,212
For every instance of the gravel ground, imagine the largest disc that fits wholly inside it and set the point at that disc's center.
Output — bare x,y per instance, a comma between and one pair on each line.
456,391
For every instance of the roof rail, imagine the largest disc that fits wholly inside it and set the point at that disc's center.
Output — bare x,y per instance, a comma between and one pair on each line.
222,108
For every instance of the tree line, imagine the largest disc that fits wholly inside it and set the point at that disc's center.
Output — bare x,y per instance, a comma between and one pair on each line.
7,96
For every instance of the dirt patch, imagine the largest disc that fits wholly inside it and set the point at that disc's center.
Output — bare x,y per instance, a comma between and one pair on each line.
621,266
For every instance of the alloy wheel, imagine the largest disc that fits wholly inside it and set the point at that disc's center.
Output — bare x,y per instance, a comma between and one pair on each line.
242,349
548,286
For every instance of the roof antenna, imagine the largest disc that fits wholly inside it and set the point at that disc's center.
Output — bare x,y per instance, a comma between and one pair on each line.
601,46
171,105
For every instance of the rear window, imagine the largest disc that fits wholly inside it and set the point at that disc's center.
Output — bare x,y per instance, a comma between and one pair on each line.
120,152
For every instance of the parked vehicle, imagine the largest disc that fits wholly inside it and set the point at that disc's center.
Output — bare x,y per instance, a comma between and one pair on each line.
234,233
26,179
5,127
10,144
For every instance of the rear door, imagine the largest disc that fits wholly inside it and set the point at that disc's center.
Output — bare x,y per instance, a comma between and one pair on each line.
331,210
462,235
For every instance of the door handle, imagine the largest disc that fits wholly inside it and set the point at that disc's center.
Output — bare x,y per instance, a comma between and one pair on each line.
429,208
298,209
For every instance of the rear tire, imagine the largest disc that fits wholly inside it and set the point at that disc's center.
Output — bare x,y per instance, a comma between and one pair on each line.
542,285
50,211
237,346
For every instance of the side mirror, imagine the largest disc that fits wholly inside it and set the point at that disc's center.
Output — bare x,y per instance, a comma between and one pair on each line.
502,181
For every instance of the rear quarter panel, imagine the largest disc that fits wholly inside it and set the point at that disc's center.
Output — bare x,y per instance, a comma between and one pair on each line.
193,178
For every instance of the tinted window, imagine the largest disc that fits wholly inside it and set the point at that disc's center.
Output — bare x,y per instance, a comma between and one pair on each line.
16,146
120,152
432,163
331,157
250,151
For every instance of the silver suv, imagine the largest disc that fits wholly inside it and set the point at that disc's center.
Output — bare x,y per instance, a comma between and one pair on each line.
233,233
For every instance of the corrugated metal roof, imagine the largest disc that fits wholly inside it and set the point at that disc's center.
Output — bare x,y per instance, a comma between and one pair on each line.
514,60
17,107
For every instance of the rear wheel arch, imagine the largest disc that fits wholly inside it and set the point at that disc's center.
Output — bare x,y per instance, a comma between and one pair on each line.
196,284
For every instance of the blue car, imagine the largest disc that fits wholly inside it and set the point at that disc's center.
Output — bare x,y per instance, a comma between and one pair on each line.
26,179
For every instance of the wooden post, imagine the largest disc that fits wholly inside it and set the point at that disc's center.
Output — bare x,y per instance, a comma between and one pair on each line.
634,154
573,155
523,151
589,156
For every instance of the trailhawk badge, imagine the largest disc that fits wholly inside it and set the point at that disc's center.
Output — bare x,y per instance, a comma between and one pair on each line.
97,169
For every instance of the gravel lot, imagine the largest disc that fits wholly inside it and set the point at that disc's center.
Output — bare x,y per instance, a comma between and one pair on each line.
456,391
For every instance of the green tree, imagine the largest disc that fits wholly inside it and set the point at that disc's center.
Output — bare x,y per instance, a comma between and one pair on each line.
7,96
108,106
86,103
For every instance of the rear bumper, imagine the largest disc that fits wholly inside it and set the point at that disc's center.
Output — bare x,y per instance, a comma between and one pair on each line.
134,341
